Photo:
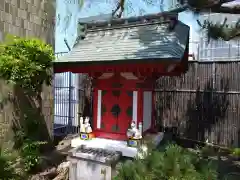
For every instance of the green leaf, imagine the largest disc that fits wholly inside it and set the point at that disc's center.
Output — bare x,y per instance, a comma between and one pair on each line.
26,62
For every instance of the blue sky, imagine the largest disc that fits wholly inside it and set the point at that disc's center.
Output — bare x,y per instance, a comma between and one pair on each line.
70,33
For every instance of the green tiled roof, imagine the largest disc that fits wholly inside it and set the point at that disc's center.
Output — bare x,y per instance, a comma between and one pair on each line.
133,42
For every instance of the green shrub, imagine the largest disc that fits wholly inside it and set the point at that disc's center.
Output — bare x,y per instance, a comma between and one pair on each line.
236,152
207,150
30,155
175,163
26,62
6,166
27,158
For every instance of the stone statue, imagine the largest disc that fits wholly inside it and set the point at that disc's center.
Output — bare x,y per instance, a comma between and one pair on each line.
82,125
133,132
88,128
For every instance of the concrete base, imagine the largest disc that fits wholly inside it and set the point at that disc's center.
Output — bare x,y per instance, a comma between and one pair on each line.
114,144
81,169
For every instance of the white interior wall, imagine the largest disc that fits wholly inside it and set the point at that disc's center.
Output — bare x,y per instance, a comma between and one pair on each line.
147,110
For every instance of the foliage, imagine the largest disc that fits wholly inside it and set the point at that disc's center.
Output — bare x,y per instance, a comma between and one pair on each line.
29,149
207,150
31,154
31,129
175,163
232,176
28,144
26,62
214,30
236,152
221,31
7,171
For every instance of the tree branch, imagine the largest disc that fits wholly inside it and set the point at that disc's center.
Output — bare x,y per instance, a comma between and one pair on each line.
120,6
222,9
218,30
204,4
215,6
214,31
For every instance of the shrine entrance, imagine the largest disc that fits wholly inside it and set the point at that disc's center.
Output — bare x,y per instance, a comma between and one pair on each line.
116,111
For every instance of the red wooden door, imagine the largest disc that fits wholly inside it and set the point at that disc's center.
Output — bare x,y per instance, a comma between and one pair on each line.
116,111
107,119
125,118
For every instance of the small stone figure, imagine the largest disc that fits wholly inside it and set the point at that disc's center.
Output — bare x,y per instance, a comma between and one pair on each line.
85,129
130,132
133,132
88,128
82,125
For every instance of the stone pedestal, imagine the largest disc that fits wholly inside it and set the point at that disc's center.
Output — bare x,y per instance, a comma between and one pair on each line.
113,145
92,163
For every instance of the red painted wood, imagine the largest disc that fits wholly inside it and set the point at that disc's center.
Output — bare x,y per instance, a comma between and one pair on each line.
125,102
120,137
107,84
145,69
106,135
147,73
148,84
108,100
108,119
122,121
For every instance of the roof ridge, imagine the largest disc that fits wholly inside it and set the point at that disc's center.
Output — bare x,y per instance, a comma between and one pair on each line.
123,22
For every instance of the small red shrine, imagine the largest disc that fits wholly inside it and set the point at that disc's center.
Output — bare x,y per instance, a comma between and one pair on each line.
125,57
